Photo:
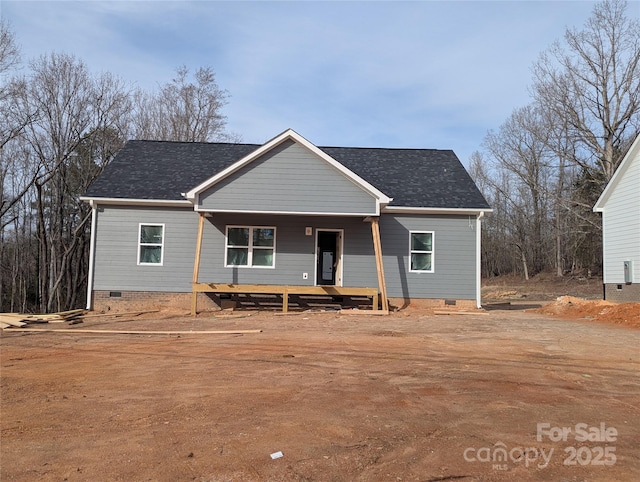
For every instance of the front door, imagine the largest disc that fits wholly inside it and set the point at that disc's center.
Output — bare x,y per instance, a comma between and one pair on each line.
328,257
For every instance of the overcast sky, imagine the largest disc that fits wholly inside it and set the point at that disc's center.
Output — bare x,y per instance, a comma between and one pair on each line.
364,74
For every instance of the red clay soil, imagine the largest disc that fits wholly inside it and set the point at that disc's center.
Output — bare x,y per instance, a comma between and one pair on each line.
598,310
406,397
570,297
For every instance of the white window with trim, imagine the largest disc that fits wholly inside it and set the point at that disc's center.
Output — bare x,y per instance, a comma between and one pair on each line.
421,251
250,247
151,244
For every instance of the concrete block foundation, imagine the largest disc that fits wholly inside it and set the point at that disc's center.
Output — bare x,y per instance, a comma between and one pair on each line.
622,293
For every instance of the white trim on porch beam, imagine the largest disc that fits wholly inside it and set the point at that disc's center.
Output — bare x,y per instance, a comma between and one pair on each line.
296,213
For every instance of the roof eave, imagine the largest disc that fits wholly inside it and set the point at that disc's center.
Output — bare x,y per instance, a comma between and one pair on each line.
95,200
427,210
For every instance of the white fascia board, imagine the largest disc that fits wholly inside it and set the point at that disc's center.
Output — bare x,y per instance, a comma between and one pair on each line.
93,201
286,135
287,213
412,210
634,151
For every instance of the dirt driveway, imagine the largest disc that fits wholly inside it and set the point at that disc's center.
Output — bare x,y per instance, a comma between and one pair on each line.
509,395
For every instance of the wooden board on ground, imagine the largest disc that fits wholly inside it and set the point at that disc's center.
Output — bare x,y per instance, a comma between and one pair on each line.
135,332
364,312
11,322
69,313
6,317
117,314
454,312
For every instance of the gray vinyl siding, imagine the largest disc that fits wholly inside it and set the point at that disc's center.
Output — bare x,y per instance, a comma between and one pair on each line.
295,252
288,178
454,275
116,267
454,257
621,226
116,260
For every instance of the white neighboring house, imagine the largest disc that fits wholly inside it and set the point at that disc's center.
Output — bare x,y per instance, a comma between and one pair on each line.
620,208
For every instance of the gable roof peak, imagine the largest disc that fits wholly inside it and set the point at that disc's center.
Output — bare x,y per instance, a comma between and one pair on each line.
632,154
292,135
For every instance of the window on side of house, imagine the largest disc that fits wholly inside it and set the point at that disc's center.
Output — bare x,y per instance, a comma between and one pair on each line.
421,251
151,244
250,247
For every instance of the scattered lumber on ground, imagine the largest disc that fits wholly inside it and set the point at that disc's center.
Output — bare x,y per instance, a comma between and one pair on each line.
21,322
117,314
18,320
137,332
22,319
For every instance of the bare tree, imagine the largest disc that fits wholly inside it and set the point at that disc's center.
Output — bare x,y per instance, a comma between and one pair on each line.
74,112
495,255
10,124
592,81
9,129
560,145
519,150
9,51
590,87
59,127
549,162
183,110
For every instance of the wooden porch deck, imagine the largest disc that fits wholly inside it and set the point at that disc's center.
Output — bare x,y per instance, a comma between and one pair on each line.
284,290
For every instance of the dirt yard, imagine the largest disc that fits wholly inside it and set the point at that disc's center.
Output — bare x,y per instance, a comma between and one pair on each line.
504,395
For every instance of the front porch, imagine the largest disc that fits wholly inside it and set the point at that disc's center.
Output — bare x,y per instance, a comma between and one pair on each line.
378,295
283,290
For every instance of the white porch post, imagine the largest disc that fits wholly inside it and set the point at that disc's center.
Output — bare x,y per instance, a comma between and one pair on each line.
92,251
479,259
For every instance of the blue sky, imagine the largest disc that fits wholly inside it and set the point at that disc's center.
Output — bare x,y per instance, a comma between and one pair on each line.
367,74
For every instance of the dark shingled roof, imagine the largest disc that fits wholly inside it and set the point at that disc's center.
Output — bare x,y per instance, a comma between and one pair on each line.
412,177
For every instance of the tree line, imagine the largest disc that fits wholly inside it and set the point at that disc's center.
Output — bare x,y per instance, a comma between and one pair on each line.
60,125
544,168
